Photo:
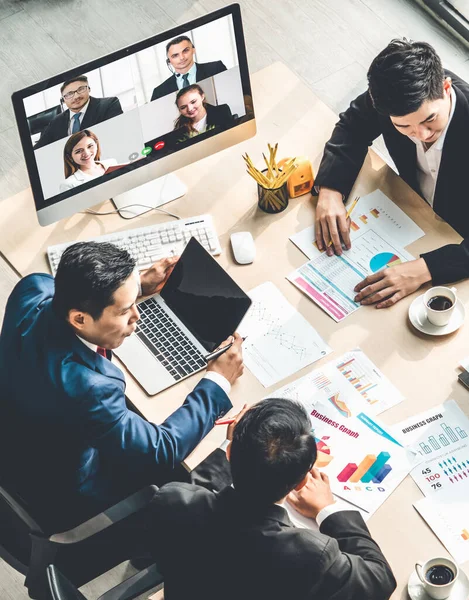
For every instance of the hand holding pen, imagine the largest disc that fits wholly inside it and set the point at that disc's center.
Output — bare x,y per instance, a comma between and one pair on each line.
227,360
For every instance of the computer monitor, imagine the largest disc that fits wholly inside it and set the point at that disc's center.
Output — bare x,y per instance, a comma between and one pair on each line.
128,118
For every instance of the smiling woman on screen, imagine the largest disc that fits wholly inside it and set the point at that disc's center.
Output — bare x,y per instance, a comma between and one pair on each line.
196,115
82,160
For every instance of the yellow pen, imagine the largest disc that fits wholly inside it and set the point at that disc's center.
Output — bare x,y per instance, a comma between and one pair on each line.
349,212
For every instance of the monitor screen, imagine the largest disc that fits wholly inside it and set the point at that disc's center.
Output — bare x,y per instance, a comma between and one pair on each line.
202,294
134,108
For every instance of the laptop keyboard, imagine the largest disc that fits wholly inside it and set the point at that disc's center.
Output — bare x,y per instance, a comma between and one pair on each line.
162,336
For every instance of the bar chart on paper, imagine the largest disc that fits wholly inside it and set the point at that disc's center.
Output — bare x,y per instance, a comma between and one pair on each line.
371,469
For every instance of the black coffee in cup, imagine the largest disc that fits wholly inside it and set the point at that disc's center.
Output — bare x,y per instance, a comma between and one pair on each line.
439,303
439,575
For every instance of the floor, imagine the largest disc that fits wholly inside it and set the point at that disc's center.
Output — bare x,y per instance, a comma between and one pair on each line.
328,43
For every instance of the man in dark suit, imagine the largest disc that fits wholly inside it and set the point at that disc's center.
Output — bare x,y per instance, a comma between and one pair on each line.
68,443
180,54
421,111
83,111
240,543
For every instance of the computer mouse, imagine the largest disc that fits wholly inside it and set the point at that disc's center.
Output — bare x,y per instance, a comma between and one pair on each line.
244,250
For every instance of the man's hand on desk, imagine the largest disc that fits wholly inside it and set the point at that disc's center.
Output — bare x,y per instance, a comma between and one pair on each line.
230,363
155,277
313,496
392,284
331,222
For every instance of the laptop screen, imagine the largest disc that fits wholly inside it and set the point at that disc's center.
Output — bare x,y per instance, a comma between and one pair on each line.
202,294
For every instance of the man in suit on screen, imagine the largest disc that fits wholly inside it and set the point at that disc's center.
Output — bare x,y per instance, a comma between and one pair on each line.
83,111
180,54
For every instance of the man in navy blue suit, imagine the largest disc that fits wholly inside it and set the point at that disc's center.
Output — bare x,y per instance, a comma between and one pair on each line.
68,443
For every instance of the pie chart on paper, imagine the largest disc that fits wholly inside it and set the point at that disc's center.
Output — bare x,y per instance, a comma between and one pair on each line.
384,259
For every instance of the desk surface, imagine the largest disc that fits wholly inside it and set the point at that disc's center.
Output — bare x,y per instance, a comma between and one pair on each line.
289,113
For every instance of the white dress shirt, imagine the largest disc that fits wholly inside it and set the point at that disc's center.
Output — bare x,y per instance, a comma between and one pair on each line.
80,176
201,126
428,161
192,72
80,118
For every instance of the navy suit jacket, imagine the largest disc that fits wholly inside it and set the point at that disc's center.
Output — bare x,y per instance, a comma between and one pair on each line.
99,110
68,443
345,152
203,71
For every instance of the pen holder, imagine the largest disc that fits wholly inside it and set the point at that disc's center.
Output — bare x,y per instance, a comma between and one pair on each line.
272,200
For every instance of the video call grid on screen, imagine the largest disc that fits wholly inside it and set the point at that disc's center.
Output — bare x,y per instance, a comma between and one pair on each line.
132,113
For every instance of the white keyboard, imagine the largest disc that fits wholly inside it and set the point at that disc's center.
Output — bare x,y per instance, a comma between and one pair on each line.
148,244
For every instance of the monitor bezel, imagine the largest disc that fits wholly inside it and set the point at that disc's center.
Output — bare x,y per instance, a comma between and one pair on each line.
21,119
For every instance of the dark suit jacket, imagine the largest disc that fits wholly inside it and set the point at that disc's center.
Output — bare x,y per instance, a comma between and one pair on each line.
345,152
68,443
216,544
99,109
204,71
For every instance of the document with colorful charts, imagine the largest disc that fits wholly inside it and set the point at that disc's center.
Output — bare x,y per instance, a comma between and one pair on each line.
441,437
351,382
330,280
374,211
449,519
279,341
365,464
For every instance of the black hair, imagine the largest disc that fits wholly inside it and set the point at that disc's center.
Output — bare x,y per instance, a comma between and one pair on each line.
83,78
403,76
272,450
88,275
178,40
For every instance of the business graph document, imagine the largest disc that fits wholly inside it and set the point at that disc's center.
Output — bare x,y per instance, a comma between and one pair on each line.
279,341
374,211
351,382
449,519
330,280
441,438
364,462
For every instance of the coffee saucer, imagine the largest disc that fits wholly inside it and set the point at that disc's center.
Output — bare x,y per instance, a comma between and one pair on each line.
459,592
418,318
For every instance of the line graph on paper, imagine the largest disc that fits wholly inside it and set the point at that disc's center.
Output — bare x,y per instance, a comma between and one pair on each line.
279,340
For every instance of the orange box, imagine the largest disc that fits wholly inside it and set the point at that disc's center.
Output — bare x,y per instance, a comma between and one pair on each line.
301,180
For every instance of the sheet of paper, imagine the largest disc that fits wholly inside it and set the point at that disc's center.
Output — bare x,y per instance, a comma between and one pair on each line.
351,380
449,519
365,464
440,436
330,280
279,341
374,211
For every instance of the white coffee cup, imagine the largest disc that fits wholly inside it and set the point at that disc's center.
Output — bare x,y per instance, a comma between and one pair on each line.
438,592
440,317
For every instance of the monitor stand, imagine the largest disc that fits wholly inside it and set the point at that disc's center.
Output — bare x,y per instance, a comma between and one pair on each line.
149,195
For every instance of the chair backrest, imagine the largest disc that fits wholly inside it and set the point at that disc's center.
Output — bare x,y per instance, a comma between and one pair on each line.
60,587
16,525
38,122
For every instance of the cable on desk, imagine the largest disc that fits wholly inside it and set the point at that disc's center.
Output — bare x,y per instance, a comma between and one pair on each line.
127,209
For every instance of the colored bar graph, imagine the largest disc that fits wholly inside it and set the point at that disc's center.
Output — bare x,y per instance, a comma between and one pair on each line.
375,469
375,212
347,472
363,467
363,219
354,226
382,474
342,365
465,534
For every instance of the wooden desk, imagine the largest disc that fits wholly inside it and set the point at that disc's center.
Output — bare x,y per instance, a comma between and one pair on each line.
423,368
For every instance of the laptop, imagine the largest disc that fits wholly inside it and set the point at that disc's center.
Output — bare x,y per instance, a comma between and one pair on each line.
198,308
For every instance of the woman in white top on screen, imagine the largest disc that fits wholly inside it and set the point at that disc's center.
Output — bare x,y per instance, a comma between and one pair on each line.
82,160
197,115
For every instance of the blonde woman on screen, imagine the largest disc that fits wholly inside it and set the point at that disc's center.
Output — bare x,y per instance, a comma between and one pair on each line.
82,160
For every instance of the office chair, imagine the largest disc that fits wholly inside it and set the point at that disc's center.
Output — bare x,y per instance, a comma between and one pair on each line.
38,122
82,553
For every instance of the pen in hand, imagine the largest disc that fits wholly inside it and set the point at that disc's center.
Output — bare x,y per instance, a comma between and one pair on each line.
348,214
219,351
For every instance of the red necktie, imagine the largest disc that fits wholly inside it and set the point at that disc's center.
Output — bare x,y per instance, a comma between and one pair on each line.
101,351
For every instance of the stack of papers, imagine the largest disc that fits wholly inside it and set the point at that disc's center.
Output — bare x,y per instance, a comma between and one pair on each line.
441,438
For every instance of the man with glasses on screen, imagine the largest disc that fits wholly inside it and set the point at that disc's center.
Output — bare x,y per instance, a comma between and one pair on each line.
180,60
82,111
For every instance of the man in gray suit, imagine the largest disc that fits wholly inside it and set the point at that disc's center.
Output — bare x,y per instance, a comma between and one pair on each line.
240,543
